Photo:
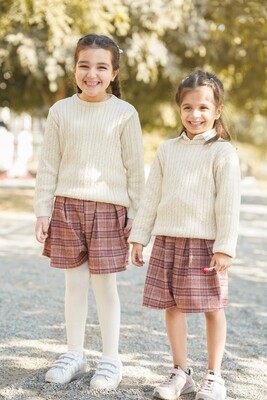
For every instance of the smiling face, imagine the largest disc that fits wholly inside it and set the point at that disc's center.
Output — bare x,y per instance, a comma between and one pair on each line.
93,73
199,110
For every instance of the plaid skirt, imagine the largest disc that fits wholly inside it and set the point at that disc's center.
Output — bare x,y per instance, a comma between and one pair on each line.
83,230
174,277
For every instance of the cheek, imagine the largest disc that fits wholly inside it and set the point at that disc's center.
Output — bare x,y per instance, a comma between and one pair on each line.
78,75
183,116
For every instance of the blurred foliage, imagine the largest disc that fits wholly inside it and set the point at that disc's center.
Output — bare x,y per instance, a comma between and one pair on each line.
162,41
19,199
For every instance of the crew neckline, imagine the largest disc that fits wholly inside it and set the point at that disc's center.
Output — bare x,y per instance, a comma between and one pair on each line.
85,103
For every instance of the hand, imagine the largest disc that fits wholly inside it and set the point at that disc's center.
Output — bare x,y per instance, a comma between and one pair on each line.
128,227
41,229
221,262
137,254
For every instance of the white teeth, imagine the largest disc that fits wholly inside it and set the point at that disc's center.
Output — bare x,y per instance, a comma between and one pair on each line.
91,83
195,123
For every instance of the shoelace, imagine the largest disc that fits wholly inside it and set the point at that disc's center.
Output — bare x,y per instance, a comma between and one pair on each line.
169,379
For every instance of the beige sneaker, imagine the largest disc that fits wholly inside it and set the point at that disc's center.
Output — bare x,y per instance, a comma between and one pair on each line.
212,388
177,383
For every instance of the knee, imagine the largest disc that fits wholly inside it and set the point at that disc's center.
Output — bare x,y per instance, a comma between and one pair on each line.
77,280
105,286
170,312
215,315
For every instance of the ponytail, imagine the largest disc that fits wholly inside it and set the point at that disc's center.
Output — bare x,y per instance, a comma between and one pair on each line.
116,87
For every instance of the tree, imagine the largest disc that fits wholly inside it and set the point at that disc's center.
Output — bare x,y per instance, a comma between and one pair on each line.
36,49
238,30
228,38
162,41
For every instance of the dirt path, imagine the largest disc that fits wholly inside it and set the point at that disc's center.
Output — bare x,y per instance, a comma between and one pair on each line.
32,321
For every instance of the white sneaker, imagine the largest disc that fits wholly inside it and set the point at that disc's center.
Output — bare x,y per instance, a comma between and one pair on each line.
107,375
67,367
177,383
212,388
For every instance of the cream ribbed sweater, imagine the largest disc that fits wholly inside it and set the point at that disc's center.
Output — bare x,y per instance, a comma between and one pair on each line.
91,151
193,191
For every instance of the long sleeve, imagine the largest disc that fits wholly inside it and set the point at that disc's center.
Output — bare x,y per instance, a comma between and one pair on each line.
132,156
144,221
48,168
91,151
193,191
227,203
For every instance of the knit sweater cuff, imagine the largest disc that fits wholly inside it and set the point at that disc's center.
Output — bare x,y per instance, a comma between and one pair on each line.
230,251
143,239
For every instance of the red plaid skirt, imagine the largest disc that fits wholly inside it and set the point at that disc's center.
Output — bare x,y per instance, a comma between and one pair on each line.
83,230
174,277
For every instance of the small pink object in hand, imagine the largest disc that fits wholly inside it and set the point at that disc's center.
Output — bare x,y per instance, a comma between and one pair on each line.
205,270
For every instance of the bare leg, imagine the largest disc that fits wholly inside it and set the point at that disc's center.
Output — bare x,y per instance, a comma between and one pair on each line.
176,325
216,337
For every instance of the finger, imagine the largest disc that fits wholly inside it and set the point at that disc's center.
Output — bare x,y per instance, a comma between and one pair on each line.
45,228
38,234
213,263
137,263
41,236
139,256
126,231
138,259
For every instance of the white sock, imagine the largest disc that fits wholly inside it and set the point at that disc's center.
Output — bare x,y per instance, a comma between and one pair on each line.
76,305
108,310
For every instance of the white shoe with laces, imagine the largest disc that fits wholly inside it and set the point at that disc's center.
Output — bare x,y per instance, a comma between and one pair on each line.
67,367
178,382
212,388
107,375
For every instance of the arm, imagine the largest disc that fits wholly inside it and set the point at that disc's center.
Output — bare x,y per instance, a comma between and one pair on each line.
48,168
227,203
133,161
144,221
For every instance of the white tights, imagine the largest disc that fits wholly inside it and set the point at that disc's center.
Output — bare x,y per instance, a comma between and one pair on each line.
76,307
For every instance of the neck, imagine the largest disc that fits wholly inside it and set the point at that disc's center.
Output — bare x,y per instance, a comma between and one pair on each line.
83,97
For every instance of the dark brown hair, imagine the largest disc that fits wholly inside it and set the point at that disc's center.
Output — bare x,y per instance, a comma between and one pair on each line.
202,78
102,42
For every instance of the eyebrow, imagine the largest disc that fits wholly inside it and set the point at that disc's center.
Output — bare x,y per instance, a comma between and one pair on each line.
201,104
100,63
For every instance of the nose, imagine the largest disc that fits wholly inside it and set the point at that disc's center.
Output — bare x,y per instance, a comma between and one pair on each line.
195,113
91,72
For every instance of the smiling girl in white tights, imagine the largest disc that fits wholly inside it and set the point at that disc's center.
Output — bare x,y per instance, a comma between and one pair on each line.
88,187
191,204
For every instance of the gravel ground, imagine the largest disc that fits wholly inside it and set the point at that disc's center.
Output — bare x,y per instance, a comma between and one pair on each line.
32,331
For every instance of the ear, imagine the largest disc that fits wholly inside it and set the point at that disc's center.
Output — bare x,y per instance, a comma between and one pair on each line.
115,73
219,111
